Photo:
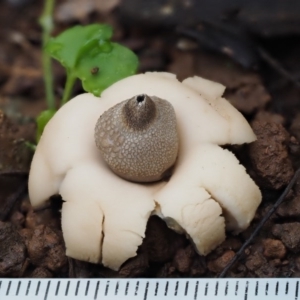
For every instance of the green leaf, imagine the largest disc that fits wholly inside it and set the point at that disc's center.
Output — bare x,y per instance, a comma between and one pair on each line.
74,42
88,54
99,71
42,120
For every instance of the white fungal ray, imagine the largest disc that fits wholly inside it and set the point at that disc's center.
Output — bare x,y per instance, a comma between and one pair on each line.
104,223
104,217
187,207
240,131
83,232
219,173
68,139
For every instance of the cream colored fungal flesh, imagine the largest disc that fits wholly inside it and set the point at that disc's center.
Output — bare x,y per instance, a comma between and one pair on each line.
104,216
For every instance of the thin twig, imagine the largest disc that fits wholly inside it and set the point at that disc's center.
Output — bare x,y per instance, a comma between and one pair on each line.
260,225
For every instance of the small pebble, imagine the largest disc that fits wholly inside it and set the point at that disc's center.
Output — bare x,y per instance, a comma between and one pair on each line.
255,261
217,265
274,249
184,258
288,233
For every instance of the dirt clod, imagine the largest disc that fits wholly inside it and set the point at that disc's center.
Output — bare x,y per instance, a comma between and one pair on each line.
41,273
43,217
217,265
80,269
274,249
135,266
17,219
255,261
269,154
14,154
167,271
259,267
12,251
46,248
290,207
198,267
266,116
289,234
295,126
184,258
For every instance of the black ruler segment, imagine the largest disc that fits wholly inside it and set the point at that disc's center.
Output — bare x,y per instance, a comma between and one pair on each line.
67,288
246,290
156,288
57,288
28,288
8,288
97,290
176,288
226,288
196,290
18,288
106,288
150,289
87,288
77,288
37,288
47,290
146,291
277,287
117,288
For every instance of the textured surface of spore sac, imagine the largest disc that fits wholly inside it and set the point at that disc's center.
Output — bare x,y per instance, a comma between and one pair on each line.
138,138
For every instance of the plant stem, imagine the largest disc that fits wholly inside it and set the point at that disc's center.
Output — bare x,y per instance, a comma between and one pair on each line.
31,146
68,88
46,23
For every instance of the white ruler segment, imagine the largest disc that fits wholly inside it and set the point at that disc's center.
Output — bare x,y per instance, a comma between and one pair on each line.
143,289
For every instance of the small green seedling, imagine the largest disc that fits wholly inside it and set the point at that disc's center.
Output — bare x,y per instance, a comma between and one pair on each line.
88,53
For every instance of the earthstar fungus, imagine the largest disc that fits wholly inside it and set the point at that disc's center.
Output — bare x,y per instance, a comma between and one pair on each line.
104,216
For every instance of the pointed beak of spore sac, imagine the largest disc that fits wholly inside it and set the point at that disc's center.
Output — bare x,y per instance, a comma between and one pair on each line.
139,112
140,99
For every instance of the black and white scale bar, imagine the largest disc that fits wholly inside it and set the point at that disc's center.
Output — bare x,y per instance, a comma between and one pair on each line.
143,289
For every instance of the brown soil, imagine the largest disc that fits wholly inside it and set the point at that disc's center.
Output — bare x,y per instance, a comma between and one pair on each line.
31,243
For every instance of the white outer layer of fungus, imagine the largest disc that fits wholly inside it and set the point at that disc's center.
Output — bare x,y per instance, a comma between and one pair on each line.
104,217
